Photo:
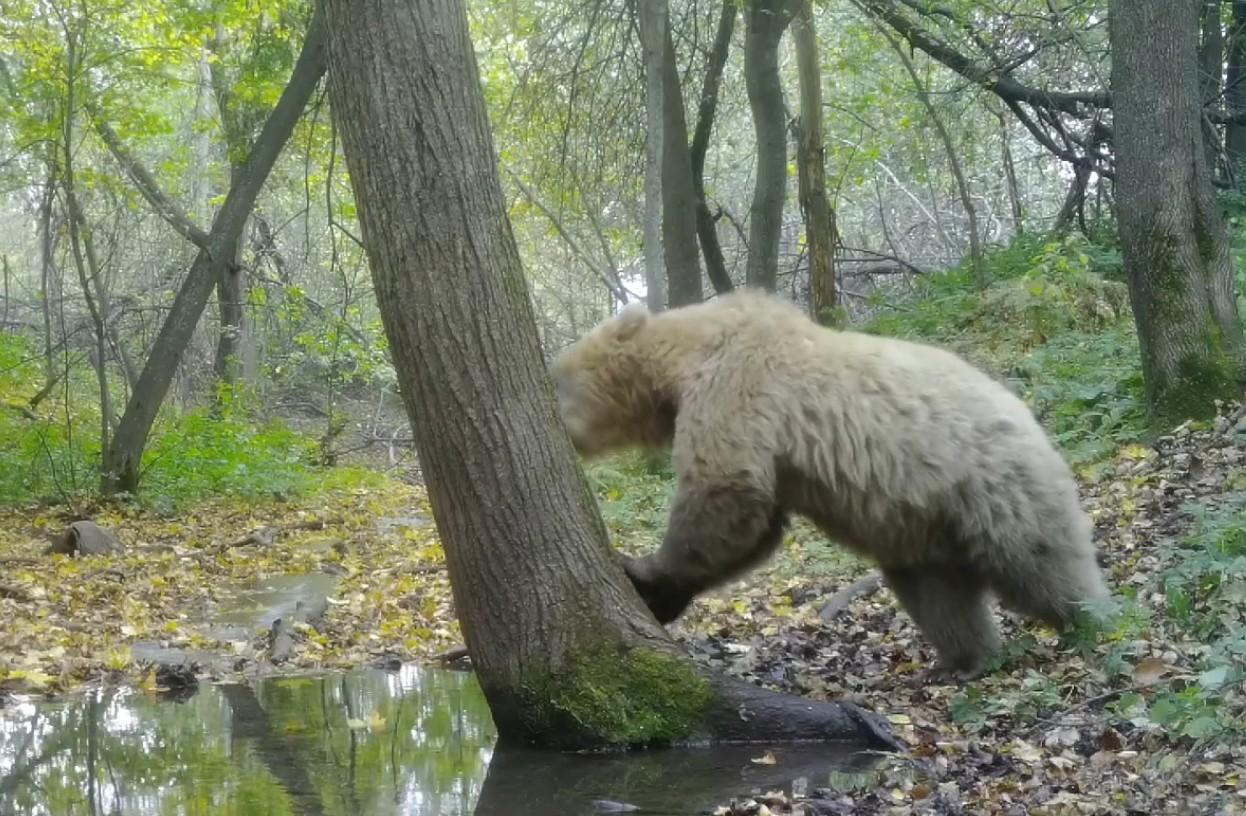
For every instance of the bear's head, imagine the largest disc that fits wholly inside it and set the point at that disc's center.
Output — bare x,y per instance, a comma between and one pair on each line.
605,386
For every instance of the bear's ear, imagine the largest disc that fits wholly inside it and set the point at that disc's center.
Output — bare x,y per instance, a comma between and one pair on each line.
629,321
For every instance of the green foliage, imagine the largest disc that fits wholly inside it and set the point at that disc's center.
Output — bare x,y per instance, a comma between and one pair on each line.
1059,290
632,495
53,453
321,349
975,709
197,455
1054,324
1087,390
1203,583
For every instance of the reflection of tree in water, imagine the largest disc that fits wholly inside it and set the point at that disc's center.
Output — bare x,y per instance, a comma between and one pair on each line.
421,743
423,747
677,781
284,747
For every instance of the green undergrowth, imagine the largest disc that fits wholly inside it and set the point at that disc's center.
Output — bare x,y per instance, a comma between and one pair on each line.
51,453
1203,584
1196,698
1053,324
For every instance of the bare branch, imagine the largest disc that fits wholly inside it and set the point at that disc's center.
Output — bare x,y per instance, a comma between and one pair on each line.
615,287
164,206
991,77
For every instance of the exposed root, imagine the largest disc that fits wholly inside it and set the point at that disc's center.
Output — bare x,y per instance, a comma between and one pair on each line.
744,712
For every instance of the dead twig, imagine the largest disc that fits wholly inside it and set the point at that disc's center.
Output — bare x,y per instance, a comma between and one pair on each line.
14,592
1089,701
267,535
20,559
842,599
112,572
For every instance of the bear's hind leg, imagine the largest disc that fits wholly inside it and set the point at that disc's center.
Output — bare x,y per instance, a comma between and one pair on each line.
714,534
950,606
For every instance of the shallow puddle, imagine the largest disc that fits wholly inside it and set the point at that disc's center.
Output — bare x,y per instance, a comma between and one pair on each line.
412,741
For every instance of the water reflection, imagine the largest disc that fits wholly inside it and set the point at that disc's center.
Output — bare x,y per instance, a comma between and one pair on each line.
369,742
415,741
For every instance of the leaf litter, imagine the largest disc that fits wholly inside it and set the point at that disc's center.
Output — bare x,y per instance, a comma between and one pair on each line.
1059,728
1055,730
73,620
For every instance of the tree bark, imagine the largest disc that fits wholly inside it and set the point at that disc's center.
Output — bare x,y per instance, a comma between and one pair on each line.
766,21
707,233
811,172
1210,68
232,284
564,649
1235,89
1074,206
121,467
1174,242
652,22
679,194
230,302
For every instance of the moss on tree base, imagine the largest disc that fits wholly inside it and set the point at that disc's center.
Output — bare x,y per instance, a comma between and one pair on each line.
619,697
1200,380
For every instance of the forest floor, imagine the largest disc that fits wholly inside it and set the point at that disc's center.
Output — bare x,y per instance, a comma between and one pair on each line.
1146,719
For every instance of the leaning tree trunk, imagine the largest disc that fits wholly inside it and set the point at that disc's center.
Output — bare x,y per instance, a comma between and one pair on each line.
766,21
1173,239
811,172
565,650
122,460
679,194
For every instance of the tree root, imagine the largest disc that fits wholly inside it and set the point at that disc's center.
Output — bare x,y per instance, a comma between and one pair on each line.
743,712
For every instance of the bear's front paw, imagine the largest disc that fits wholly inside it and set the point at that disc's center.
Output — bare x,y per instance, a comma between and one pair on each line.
666,601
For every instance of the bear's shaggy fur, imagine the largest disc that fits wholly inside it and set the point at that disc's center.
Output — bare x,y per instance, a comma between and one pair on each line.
901,452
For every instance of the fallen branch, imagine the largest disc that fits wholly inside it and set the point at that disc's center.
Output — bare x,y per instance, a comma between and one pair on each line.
20,559
267,535
23,410
842,599
1089,701
452,655
14,592
114,572
745,713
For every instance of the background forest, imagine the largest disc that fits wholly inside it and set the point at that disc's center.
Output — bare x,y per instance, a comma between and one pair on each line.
192,349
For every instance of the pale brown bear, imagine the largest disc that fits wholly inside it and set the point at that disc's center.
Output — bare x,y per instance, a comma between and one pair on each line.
902,452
